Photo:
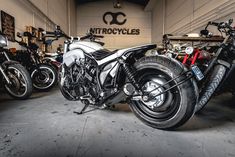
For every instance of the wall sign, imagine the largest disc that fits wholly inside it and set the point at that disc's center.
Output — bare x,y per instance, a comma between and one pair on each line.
8,25
115,20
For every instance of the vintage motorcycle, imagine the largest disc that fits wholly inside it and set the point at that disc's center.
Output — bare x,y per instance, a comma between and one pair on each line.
14,77
55,59
215,65
158,90
219,74
44,76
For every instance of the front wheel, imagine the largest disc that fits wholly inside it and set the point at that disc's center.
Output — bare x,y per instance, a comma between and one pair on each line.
62,81
21,84
210,86
170,109
44,77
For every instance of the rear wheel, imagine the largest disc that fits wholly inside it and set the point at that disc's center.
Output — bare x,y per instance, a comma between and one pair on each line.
170,109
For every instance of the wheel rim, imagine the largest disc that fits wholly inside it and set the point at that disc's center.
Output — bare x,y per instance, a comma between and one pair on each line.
43,79
164,106
18,86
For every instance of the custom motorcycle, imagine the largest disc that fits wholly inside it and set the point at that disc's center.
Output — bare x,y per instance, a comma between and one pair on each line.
44,76
14,77
158,90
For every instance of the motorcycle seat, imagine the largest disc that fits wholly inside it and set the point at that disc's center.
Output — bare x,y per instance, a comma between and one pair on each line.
101,54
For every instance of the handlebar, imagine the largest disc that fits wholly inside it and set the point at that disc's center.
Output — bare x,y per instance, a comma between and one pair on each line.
213,23
56,33
91,36
98,36
222,25
21,43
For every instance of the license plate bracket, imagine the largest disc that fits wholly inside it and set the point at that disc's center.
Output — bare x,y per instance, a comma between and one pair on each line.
197,72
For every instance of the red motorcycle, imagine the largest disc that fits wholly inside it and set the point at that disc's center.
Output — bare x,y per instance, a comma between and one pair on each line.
214,67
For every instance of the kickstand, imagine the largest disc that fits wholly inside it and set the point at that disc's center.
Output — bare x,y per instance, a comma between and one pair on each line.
83,109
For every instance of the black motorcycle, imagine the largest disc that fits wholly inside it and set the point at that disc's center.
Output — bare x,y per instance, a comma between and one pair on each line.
220,73
14,77
44,76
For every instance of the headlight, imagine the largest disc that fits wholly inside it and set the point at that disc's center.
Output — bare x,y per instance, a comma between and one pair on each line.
3,41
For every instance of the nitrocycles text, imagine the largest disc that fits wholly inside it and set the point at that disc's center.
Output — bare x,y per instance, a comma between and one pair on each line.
116,31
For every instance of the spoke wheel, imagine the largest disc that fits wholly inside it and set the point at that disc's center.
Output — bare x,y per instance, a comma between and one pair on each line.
20,85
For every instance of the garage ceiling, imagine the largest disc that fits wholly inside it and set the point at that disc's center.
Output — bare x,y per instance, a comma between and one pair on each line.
140,2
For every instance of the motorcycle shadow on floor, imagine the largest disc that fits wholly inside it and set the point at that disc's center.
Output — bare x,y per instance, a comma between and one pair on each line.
120,108
219,112
39,94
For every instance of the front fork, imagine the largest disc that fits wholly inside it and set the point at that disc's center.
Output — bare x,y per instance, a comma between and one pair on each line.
3,69
4,75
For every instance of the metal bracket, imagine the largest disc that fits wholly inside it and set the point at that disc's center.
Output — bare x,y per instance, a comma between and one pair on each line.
188,74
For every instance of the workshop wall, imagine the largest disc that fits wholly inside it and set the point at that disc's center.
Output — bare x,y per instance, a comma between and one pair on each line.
136,29
37,13
185,16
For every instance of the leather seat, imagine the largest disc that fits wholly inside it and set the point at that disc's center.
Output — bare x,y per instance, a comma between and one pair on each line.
101,54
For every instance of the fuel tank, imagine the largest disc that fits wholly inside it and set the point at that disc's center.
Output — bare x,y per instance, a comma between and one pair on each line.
86,46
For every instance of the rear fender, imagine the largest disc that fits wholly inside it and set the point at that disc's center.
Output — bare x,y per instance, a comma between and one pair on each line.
133,55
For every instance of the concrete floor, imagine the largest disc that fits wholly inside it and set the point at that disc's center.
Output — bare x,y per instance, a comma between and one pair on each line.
45,125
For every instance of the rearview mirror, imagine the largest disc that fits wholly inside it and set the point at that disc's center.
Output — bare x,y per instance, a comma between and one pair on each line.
230,21
204,32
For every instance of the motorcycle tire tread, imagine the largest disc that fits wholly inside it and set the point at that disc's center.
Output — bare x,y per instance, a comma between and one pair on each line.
210,87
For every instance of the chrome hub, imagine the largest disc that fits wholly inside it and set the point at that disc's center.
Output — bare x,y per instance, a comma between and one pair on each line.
157,100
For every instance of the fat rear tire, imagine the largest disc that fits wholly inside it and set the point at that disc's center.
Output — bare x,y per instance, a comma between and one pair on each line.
182,106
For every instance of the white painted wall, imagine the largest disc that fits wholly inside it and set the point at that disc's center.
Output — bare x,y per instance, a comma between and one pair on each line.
91,14
25,15
185,16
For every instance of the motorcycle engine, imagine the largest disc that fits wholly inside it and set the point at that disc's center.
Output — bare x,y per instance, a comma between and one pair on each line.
80,80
